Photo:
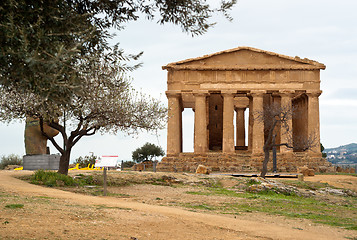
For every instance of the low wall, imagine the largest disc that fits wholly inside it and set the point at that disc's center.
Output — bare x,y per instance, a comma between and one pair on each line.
239,162
45,162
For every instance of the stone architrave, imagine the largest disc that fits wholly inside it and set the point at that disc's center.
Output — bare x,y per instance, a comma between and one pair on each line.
228,127
200,135
174,125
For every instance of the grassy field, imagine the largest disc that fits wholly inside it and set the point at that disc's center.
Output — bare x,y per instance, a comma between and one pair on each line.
235,199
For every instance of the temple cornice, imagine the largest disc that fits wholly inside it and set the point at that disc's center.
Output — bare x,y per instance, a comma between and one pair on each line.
270,67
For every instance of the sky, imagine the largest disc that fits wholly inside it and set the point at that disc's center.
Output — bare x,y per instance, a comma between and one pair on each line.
321,30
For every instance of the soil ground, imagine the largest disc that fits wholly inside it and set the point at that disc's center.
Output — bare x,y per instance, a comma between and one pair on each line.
145,211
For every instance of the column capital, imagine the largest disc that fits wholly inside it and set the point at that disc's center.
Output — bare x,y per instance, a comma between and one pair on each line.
202,93
239,108
228,93
173,93
257,93
286,93
313,93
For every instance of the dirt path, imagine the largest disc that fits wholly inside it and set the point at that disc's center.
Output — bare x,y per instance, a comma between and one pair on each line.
54,214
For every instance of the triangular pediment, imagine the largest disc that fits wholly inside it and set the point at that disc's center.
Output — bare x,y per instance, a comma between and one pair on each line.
244,58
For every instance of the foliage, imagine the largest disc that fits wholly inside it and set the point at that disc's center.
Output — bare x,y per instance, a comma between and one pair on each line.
51,179
11,159
47,47
14,206
128,164
324,155
147,152
84,161
109,104
56,60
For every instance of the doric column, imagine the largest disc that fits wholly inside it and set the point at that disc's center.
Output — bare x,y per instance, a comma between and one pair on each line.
240,125
228,126
174,123
313,116
287,131
257,124
200,137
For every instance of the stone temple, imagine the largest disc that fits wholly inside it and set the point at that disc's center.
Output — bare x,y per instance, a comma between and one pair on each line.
224,90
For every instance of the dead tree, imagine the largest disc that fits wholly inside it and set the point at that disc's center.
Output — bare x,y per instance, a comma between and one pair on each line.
276,117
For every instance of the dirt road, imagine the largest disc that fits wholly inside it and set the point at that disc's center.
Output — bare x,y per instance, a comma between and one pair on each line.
54,214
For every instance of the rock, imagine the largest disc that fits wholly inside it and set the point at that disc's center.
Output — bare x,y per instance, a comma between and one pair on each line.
202,169
301,177
306,171
170,179
310,172
138,167
303,170
271,185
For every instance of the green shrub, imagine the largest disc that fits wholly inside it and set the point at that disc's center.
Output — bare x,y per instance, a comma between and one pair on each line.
11,159
52,179
84,161
128,164
14,206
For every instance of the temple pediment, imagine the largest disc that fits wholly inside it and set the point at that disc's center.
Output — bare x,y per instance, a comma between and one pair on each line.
245,58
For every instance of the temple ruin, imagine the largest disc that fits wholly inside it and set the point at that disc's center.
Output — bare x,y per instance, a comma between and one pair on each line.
224,90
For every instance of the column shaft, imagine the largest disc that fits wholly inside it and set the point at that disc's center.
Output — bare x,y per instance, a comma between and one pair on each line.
228,126
286,132
314,120
174,124
240,125
258,124
200,136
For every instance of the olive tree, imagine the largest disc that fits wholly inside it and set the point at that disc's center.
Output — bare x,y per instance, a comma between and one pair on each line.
147,152
55,59
109,104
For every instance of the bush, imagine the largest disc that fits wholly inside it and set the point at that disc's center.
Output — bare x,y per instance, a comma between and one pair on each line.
128,164
52,179
84,161
11,159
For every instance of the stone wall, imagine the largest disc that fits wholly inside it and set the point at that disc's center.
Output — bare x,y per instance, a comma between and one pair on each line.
239,162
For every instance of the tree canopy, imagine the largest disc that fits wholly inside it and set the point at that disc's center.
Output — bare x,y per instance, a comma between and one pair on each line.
109,104
147,152
55,59
46,45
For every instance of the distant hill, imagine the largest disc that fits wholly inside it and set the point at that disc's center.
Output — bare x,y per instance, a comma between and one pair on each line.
346,154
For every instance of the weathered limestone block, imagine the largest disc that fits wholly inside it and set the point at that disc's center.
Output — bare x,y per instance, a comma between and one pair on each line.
306,171
35,142
202,169
138,167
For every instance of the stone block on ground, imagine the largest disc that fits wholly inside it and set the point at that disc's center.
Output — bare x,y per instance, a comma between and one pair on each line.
202,169
306,171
